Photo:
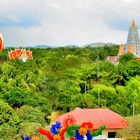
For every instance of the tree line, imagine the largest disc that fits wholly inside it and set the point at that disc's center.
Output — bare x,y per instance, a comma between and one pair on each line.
61,79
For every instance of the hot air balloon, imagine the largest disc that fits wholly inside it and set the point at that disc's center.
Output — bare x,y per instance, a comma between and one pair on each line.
1,43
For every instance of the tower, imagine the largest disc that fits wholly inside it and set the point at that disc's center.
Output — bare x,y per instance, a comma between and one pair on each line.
121,49
133,40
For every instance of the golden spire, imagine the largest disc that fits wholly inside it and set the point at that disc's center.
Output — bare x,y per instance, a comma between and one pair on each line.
133,24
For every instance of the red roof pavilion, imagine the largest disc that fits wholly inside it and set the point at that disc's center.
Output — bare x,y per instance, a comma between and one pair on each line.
113,58
97,116
17,54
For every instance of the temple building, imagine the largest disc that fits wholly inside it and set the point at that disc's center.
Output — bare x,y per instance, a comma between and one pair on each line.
21,54
113,121
133,44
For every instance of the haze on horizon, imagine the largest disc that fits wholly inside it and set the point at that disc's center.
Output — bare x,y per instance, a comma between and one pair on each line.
63,22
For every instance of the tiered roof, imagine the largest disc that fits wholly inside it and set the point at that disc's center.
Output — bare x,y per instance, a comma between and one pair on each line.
133,40
20,53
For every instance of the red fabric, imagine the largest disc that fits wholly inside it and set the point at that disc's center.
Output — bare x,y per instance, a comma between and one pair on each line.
46,133
68,121
87,125
97,116
72,139
62,133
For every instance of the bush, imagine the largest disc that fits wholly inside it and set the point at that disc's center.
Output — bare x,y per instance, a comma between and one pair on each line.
29,114
17,97
42,104
9,121
29,128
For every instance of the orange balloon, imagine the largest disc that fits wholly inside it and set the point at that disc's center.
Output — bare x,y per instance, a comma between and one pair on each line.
1,43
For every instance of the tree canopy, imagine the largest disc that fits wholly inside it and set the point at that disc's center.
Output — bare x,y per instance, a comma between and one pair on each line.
61,79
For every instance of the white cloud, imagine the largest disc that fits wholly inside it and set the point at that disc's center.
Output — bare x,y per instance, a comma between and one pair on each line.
60,22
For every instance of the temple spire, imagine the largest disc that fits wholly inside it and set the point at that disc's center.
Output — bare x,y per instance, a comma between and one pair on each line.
133,24
133,42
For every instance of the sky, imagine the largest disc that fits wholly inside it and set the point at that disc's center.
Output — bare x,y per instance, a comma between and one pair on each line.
66,22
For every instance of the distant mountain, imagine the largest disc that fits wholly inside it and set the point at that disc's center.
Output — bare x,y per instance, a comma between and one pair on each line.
44,46
70,46
37,46
99,44
18,47
48,46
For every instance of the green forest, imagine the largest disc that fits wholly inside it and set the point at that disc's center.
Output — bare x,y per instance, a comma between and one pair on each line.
61,79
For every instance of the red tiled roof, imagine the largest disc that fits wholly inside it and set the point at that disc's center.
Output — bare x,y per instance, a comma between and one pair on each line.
113,58
97,116
10,55
14,54
29,54
17,53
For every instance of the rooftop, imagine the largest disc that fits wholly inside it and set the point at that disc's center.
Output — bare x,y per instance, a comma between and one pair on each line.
98,117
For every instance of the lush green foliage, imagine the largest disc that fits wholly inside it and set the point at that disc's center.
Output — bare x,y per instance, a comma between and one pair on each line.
133,130
62,79
9,121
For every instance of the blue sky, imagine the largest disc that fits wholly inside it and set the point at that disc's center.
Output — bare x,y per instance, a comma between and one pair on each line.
63,22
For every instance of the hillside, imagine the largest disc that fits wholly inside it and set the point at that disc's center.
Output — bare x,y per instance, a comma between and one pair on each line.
61,79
